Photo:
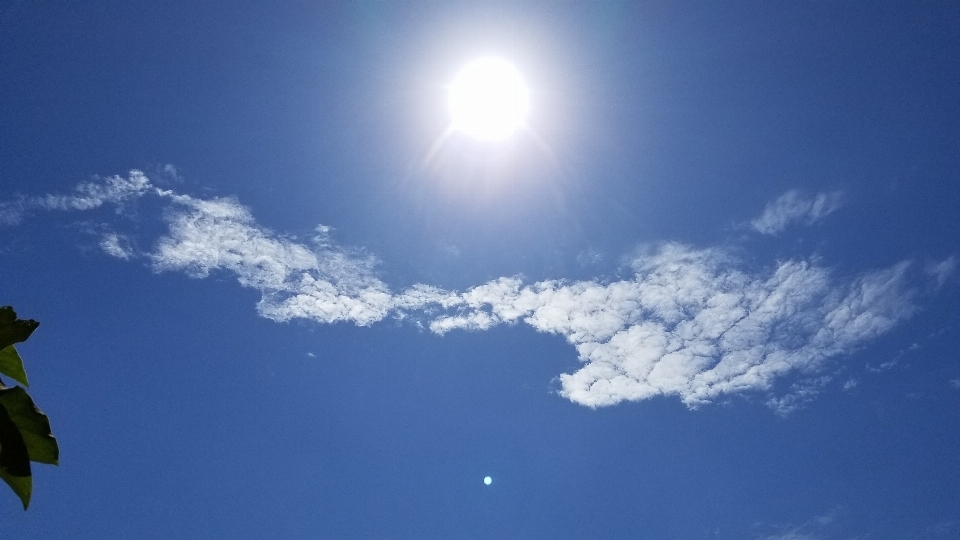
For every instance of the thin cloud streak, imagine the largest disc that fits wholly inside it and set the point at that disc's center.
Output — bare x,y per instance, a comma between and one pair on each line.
689,322
792,207
89,195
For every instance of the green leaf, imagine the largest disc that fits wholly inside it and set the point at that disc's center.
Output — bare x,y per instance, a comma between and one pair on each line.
21,485
12,329
12,366
24,430
14,458
34,426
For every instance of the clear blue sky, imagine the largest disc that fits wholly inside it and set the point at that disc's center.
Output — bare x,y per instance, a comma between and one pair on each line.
710,291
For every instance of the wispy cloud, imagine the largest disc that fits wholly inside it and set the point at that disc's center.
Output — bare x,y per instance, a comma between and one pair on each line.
793,207
689,322
319,281
117,246
942,271
794,534
86,196
836,525
943,529
817,528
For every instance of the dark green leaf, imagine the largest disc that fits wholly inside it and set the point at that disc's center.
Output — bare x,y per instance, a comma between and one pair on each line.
21,485
24,430
12,366
34,426
14,458
13,330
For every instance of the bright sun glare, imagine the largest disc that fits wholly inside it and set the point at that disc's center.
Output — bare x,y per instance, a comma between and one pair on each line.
488,100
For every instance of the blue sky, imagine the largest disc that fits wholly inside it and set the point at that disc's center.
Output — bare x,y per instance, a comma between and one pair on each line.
710,291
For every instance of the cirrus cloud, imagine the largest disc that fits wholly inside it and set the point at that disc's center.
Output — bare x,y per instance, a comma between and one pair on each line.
793,207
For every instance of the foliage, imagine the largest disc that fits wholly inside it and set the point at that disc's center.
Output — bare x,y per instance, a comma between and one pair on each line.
24,430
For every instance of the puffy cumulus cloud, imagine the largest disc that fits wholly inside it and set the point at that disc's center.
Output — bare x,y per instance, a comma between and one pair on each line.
690,323
792,207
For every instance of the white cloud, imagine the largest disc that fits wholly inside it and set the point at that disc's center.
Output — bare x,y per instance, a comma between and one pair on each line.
320,282
818,527
11,213
589,258
793,534
169,171
792,207
87,196
117,245
836,525
942,271
114,189
692,323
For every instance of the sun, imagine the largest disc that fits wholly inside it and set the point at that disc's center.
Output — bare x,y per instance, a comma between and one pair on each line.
488,100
